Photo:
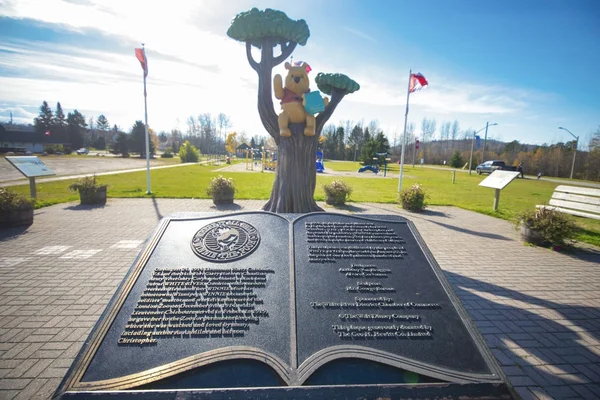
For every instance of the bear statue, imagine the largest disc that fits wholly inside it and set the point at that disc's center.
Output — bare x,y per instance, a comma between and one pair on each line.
292,98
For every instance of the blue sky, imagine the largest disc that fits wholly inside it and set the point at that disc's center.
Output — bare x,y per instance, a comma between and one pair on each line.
530,66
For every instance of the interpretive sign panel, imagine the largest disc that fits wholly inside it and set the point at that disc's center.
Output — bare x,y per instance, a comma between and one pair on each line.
30,166
260,300
499,179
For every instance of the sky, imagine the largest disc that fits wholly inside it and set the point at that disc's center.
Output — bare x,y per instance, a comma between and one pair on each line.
529,66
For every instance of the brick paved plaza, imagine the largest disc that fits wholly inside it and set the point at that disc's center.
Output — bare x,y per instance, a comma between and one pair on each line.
538,310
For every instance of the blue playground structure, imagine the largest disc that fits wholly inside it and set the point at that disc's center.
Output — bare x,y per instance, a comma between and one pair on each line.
372,168
375,166
320,166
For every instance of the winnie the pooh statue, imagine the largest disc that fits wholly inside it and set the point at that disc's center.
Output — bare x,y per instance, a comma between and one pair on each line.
292,98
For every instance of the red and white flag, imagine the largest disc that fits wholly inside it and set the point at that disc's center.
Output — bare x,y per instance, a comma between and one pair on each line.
417,82
141,56
47,133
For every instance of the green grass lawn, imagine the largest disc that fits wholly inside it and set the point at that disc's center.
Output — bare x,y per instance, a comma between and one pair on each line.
191,182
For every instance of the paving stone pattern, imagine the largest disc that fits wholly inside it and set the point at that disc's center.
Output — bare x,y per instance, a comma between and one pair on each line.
538,310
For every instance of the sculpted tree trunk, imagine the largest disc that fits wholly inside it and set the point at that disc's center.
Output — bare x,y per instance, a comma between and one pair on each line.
296,174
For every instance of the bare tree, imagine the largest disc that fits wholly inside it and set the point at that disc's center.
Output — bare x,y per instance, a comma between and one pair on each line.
243,138
428,127
445,131
454,130
223,124
374,128
192,130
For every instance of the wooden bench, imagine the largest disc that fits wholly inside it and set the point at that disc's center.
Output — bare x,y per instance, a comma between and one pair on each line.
576,200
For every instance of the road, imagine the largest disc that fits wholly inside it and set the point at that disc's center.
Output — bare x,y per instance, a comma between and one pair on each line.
563,181
76,167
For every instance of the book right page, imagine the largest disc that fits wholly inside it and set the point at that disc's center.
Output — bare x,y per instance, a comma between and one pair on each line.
368,288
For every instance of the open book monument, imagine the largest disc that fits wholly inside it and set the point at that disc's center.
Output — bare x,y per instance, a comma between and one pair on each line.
266,305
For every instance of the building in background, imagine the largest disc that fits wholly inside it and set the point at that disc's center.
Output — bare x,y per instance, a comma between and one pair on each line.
21,139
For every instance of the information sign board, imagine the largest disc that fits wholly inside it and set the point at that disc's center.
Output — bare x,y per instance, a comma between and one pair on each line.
30,166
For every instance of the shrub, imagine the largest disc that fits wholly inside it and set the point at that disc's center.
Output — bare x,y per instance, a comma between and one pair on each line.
220,186
167,154
337,192
456,160
11,201
553,226
413,199
87,184
188,153
53,148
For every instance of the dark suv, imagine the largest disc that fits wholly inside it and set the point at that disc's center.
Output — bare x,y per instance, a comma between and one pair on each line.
490,166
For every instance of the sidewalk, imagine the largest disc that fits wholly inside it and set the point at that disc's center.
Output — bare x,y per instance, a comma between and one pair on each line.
538,310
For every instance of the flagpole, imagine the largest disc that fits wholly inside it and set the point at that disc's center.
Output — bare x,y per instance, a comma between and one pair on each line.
404,135
146,126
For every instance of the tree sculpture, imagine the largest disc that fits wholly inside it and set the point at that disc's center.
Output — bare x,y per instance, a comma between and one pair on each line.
296,176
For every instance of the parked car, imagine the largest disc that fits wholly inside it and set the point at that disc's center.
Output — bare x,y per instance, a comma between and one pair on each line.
490,166
82,150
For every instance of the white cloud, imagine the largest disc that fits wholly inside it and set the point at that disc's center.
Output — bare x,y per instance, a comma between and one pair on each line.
194,70
360,34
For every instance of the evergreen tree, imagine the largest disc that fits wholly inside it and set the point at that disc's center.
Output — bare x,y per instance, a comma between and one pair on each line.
121,145
102,123
366,135
355,140
75,128
340,143
44,122
60,123
376,144
59,116
99,143
138,140
162,137
456,160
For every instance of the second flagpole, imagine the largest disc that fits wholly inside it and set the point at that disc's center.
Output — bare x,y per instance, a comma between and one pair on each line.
146,128
404,135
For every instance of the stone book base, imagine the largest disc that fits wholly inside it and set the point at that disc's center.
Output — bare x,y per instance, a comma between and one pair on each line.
241,304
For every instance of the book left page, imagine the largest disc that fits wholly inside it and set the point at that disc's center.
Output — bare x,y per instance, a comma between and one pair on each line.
204,290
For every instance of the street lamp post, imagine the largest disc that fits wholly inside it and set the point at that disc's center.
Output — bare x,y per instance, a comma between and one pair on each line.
574,154
471,157
472,142
487,125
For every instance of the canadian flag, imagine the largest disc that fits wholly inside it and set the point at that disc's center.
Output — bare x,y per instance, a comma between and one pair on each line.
47,133
417,82
141,56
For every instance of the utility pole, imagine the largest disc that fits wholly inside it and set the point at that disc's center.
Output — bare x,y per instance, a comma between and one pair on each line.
484,140
487,125
574,154
471,158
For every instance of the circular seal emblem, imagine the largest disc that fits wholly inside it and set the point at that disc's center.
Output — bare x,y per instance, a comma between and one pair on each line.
225,241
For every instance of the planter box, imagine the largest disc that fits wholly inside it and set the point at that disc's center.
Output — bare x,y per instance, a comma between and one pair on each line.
531,236
97,196
336,201
23,217
223,198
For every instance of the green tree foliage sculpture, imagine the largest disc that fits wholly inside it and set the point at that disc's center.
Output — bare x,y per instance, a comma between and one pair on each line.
296,175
